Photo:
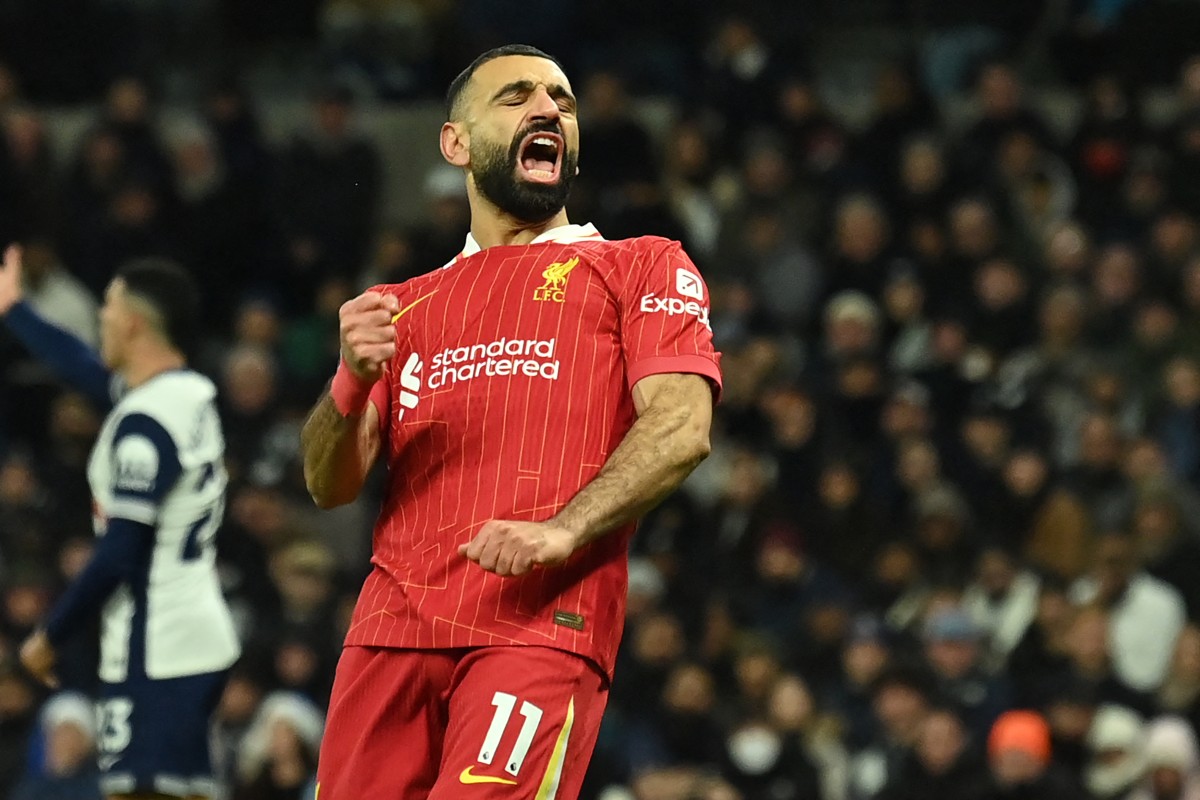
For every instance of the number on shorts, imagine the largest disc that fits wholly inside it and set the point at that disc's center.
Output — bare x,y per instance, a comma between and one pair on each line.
115,730
505,703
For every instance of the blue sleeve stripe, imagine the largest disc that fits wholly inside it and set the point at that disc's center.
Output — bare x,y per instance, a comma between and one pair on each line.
146,488
120,554
133,510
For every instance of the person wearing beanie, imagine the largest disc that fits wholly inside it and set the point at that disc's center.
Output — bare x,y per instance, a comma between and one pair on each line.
278,757
1019,757
1115,743
953,647
1172,760
67,770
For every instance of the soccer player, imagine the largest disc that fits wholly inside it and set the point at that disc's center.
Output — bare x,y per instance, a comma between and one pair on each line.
531,400
157,479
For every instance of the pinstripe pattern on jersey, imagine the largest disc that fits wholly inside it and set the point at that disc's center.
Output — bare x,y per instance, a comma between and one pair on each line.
517,446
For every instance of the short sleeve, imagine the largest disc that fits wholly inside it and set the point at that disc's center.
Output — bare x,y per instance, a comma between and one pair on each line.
381,398
665,317
145,467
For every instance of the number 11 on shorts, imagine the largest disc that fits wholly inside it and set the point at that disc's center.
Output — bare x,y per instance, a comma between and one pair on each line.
504,704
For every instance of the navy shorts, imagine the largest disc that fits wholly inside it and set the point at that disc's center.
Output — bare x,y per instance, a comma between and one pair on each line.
155,735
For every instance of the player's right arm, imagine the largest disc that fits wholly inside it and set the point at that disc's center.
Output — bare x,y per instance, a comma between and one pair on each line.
342,436
145,467
68,356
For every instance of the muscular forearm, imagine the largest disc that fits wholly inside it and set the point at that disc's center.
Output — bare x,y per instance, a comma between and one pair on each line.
660,450
338,452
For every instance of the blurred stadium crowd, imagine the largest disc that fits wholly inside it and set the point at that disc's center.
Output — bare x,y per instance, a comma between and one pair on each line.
956,469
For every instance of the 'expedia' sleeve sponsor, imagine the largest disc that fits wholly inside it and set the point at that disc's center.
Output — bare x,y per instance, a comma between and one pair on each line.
664,311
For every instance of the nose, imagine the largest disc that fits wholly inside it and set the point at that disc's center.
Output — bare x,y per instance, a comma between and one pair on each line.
543,107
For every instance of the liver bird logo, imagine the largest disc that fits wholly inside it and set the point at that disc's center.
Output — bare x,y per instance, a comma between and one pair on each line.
554,289
556,274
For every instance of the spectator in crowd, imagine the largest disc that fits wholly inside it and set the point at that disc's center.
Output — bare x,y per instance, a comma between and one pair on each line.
810,742
66,768
1019,754
278,756
1171,771
18,712
954,650
1002,602
943,765
1115,743
38,210
865,656
1180,690
1146,615
327,198
439,238
1004,111
215,227
382,45
900,704
1090,663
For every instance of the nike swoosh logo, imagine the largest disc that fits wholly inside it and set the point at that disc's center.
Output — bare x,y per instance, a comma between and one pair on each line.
410,306
467,777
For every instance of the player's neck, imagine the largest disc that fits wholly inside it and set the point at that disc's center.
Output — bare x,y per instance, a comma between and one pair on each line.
494,229
149,360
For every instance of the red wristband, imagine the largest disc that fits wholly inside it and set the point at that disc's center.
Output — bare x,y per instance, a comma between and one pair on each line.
349,392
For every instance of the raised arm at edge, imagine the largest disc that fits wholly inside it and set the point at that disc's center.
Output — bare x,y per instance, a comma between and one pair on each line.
338,452
70,358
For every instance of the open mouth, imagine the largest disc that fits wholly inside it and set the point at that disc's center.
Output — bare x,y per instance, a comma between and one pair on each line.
540,157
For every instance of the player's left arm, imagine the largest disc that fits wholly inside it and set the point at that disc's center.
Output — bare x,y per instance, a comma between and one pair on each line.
668,441
673,370
145,467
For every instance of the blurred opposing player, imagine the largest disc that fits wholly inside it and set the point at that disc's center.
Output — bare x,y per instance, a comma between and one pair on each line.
157,478
531,400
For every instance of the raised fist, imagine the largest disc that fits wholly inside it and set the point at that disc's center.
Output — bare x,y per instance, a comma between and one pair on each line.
10,279
368,335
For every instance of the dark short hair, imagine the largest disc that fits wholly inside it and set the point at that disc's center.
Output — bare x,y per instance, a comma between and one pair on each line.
172,292
460,83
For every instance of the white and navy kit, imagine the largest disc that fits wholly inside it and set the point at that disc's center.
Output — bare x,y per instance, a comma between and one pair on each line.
158,479
159,461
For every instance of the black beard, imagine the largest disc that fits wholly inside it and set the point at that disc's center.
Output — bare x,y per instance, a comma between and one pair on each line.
495,174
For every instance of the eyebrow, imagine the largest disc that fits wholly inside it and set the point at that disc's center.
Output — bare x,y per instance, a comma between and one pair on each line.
555,90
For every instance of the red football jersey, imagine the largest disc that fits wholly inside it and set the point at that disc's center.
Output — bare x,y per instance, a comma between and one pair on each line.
510,388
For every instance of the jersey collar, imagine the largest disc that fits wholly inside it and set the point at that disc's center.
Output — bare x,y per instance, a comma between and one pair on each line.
561,234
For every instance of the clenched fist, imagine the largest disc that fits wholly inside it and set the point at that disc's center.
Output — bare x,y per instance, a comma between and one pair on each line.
10,279
368,334
37,656
510,548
